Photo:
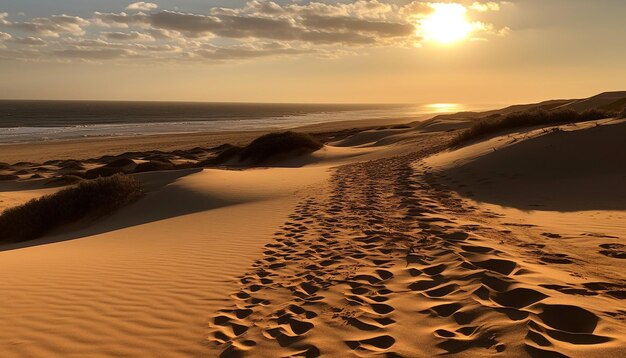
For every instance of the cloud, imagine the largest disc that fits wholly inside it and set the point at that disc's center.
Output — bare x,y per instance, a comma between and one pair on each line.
93,54
258,29
127,36
53,26
4,37
142,6
350,24
3,19
29,41
192,24
121,20
247,51
484,7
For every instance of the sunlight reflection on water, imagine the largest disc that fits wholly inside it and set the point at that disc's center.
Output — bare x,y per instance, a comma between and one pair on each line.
445,107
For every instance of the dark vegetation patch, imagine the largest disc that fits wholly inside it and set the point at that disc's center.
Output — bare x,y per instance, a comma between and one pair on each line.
225,154
64,180
103,172
87,200
154,165
120,163
499,123
279,144
4,177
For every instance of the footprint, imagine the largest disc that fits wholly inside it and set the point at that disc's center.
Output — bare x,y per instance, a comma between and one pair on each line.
568,318
442,291
300,327
445,310
434,270
504,267
535,352
617,251
518,297
374,344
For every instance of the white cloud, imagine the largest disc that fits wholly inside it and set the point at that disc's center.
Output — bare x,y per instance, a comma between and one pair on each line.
3,18
29,41
121,20
127,36
258,29
142,6
53,26
486,6
93,54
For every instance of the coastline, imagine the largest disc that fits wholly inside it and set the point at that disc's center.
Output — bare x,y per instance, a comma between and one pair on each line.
96,147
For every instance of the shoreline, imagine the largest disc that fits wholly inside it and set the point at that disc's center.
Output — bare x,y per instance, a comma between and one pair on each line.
100,146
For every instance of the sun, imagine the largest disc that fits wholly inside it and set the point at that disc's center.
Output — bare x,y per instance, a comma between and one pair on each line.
447,24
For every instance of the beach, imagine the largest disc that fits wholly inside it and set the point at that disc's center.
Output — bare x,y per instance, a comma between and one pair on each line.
386,240
336,178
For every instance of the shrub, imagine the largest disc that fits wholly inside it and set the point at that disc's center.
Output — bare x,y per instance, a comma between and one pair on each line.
495,124
64,180
6,177
89,199
277,144
103,172
226,155
153,165
120,163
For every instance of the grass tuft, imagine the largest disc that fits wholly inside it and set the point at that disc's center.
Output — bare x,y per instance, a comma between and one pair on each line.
279,144
154,165
89,199
499,123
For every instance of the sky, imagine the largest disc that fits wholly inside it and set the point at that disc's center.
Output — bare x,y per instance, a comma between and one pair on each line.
365,51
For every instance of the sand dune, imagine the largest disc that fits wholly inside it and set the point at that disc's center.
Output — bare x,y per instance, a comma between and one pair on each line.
414,269
373,245
602,100
565,168
143,281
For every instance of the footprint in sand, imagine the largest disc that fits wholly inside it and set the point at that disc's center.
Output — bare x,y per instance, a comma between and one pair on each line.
614,250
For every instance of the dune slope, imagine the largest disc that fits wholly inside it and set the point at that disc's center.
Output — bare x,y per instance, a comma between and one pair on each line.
566,168
391,261
141,282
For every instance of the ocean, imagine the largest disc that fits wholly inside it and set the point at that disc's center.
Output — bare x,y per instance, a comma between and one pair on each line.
35,121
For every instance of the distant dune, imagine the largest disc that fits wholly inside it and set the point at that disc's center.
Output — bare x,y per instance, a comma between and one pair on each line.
606,100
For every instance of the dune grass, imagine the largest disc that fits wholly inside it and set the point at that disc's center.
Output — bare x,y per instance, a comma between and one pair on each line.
88,199
224,156
154,165
279,144
499,123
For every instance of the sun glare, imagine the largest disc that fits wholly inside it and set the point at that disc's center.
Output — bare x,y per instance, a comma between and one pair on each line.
447,24
444,107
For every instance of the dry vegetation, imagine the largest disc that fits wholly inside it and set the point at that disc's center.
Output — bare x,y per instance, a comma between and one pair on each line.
278,144
89,199
499,123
